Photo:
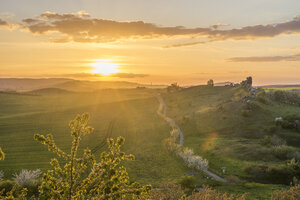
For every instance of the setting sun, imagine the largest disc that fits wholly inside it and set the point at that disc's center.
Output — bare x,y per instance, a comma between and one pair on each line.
105,68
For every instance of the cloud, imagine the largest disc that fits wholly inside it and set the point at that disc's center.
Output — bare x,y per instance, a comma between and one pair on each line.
81,27
266,58
129,75
216,26
3,23
81,75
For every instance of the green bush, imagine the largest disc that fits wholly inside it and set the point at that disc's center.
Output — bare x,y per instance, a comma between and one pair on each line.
276,174
270,129
257,171
245,113
282,151
6,186
285,97
187,182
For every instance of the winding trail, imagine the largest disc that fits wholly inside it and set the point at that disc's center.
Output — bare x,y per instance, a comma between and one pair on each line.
162,112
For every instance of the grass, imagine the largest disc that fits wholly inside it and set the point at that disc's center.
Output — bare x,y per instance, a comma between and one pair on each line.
215,128
211,119
136,120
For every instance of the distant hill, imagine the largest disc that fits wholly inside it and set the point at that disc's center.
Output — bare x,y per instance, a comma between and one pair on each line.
223,83
280,86
26,84
23,84
48,91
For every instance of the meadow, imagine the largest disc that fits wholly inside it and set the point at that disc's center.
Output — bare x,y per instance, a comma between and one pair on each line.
211,118
134,113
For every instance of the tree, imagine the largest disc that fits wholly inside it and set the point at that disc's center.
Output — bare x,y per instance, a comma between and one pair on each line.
210,82
105,179
174,87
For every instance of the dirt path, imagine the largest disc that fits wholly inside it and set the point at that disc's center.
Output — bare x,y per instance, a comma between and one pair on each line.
162,112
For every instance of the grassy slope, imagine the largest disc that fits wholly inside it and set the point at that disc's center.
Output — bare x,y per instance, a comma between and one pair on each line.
214,127
136,120
209,117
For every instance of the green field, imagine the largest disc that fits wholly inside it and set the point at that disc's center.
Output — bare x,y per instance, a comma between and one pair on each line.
210,118
134,112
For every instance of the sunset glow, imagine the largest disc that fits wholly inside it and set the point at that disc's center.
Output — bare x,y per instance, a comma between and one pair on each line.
154,45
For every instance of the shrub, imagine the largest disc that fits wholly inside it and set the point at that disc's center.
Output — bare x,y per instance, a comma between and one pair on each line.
27,177
285,97
174,134
245,113
270,129
281,174
2,155
210,83
278,174
174,87
6,186
84,177
233,179
193,161
281,151
1,176
257,171
187,182
277,141
266,140
166,191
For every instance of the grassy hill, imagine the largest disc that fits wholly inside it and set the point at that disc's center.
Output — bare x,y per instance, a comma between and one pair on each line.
216,122
218,126
27,84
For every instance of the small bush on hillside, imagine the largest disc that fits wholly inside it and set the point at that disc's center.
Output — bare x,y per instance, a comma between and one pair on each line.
1,175
277,141
261,97
281,151
6,186
174,87
245,113
210,83
192,160
273,140
234,179
278,174
286,97
187,182
174,134
270,129
257,171
166,191
2,155
27,177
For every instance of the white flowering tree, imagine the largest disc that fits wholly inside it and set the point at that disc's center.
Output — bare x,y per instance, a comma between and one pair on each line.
27,177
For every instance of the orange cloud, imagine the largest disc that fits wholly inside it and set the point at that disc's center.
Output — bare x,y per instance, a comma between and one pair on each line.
81,27
266,58
3,23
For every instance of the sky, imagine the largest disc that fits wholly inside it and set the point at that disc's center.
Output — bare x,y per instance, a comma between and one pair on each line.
157,41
